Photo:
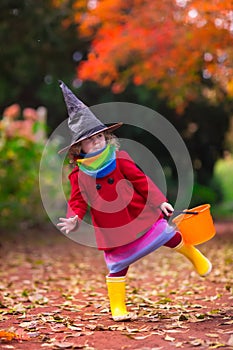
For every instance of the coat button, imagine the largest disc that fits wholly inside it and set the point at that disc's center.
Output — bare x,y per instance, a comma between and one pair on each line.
98,186
110,180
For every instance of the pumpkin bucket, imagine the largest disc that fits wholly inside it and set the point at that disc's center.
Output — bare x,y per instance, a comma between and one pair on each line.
198,228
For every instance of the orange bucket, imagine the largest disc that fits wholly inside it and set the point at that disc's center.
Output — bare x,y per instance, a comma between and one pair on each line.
196,228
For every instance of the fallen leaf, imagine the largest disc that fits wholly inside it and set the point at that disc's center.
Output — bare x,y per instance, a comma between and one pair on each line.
141,337
230,341
196,342
212,335
63,345
168,338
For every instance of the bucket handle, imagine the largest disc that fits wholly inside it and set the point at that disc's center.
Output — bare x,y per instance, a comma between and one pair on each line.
185,212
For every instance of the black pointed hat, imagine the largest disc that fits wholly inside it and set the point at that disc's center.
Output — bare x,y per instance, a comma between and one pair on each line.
82,122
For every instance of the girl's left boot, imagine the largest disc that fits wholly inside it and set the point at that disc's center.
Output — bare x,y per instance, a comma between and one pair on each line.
201,264
116,293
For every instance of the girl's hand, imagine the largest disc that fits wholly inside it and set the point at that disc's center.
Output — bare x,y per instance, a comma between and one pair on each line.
68,225
167,208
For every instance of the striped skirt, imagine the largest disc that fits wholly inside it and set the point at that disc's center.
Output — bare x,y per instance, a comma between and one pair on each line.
119,258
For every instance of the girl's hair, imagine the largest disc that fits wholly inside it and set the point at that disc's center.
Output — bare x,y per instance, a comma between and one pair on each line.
75,150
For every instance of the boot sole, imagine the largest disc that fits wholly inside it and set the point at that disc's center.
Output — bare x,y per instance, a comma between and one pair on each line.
129,316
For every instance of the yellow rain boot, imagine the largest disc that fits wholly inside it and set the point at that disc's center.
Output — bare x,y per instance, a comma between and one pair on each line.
202,265
116,293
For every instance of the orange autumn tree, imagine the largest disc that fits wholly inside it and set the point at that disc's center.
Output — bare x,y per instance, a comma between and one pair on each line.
182,48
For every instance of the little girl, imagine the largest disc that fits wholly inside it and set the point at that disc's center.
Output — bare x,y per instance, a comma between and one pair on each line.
127,208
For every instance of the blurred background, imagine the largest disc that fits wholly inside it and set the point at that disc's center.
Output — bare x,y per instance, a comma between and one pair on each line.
174,56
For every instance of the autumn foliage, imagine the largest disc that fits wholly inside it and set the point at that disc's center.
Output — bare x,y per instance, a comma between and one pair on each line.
177,47
12,126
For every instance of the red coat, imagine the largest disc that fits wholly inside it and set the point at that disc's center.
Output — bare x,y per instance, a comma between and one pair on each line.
122,204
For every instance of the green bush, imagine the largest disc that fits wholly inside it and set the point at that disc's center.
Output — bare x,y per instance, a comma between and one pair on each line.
203,194
223,177
19,169
21,146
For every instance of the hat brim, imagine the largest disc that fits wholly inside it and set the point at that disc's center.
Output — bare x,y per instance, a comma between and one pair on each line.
107,128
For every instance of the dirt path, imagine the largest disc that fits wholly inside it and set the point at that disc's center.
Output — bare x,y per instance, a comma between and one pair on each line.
53,296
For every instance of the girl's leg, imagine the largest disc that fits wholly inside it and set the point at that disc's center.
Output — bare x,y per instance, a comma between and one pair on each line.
119,273
202,265
174,241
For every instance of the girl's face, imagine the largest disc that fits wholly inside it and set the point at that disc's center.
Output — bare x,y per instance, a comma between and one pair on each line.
93,143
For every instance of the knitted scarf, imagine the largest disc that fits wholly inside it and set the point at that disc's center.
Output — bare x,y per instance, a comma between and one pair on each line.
98,164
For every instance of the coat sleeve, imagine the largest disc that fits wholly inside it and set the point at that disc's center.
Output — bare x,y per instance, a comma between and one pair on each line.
140,182
77,203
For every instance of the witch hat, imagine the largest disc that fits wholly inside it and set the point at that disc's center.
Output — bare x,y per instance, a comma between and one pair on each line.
82,122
